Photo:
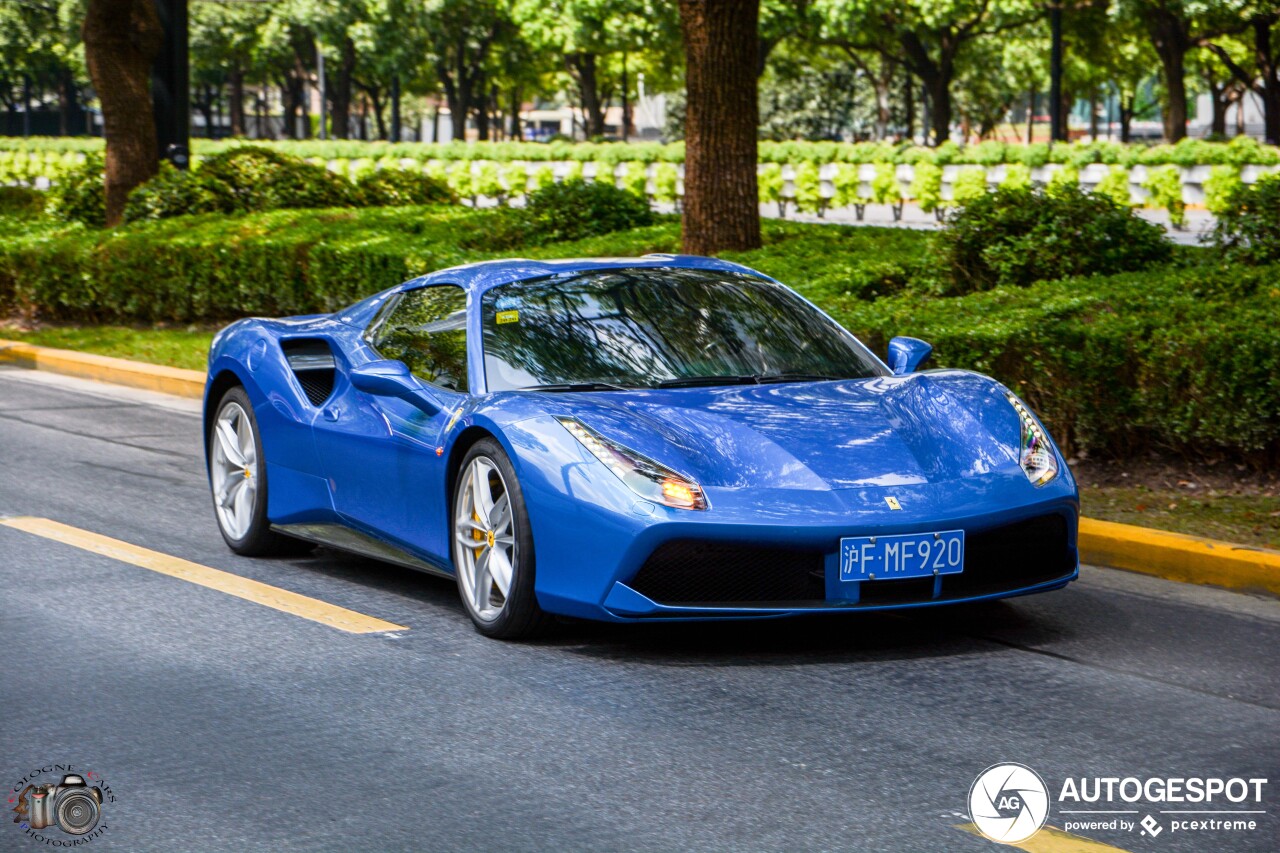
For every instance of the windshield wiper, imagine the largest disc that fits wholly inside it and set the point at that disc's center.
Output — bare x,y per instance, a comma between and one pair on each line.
577,386
794,377
744,379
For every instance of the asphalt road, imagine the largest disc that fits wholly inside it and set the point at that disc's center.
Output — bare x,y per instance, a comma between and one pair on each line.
221,724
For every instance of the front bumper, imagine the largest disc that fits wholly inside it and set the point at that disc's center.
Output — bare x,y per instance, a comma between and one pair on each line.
593,550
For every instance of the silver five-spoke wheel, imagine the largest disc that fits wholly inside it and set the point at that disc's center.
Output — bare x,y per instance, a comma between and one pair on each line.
484,545
234,470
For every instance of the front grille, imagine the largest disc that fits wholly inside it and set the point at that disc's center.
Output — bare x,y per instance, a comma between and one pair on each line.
1002,559
1013,556
722,573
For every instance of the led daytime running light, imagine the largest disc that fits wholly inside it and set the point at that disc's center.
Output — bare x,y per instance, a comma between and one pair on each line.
648,479
1036,455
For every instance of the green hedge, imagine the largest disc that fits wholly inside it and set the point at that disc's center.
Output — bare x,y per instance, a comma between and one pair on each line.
1182,356
1240,151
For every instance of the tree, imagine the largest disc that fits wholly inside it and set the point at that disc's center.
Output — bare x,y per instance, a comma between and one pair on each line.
1174,27
121,40
461,35
1265,80
925,36
721,206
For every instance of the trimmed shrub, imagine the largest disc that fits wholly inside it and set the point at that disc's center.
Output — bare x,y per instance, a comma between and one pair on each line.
1115,186
1248,229
926,186
22,202
572,210
1218,187
1019,236
807,185
262,178
81,195
400,187
970,185
173,192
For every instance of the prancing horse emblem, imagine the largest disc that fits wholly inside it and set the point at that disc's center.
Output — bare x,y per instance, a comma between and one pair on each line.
893,503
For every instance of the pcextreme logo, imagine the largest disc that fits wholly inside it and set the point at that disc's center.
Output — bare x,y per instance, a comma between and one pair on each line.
60,805
1010,802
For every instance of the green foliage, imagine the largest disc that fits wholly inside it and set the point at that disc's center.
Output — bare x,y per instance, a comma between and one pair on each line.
807,188
488,182
1064,178
81,194
1240,151
572,210
1115,186
176,193
604,174
926,186
1014,237
461,181
22,202
884,184
515,177
969,185
1248,229
769,183
1017,176
391,187
1218,188
1165,185
847,186
262,178
635,179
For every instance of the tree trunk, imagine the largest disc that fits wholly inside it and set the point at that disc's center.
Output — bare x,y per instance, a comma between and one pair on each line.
515,114
341,100
1126,117
721,201
1031,115
1093,114
1171,40
582,67
482,111
1218,97
909,105
121,41
236,79
1268,63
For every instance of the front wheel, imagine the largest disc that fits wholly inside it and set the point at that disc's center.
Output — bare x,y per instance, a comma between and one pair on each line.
493,546
238,478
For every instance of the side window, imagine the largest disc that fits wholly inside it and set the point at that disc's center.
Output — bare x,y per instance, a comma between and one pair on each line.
427,330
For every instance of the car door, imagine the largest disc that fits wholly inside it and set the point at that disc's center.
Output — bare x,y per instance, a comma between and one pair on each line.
379,453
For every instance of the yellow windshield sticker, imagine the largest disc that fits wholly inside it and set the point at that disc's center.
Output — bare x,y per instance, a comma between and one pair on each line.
508,317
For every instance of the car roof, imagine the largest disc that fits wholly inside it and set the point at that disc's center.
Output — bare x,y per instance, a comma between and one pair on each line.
479,277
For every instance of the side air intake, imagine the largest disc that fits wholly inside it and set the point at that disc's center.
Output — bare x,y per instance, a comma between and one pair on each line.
311,361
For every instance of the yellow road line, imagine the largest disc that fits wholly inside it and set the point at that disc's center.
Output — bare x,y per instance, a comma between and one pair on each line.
175,567
1050,840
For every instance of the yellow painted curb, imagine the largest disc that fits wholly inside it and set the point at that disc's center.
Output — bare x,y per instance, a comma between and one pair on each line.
120,371
1177,557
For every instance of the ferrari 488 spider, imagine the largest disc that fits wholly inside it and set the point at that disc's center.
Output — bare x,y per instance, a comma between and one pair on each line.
666,437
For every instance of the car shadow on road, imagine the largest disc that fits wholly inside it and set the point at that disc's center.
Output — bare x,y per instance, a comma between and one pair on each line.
929,632
922,632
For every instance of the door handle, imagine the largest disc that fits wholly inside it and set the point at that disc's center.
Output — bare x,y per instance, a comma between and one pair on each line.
331,413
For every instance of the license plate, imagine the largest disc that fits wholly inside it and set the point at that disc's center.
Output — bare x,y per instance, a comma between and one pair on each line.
909,555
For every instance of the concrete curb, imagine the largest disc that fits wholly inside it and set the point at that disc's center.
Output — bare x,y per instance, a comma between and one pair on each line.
1173,556
1178,557
119,371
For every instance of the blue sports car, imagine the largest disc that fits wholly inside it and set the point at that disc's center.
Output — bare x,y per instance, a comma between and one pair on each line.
666,437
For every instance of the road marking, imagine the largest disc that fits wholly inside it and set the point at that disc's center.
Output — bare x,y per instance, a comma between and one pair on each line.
1050,840
175,567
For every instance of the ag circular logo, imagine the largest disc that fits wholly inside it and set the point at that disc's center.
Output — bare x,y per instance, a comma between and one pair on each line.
1008,803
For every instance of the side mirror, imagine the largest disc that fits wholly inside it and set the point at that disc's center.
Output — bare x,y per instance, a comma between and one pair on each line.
907,354
390,378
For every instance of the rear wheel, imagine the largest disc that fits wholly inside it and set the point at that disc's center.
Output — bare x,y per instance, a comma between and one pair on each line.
238,479
493,546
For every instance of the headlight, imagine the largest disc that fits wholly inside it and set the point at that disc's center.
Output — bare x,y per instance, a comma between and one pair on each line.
648,479
1036,457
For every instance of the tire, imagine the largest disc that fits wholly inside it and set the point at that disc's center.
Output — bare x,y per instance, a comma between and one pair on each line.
244,526
505,537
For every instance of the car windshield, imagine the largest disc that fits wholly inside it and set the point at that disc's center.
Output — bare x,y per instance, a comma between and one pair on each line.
645,328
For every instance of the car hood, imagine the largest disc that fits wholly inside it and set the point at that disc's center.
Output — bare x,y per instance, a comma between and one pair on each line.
849,434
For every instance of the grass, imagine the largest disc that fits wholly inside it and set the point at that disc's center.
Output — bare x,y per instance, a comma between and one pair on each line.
1246,519
188,348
